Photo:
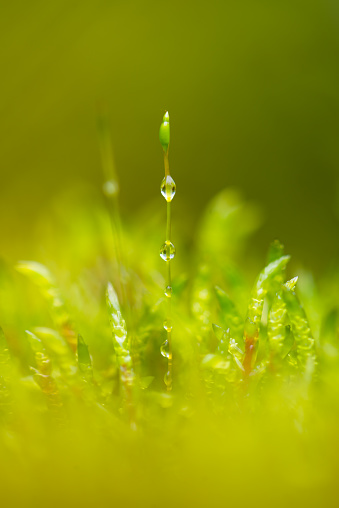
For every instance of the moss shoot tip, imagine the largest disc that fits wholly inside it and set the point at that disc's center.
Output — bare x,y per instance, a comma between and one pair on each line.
164,132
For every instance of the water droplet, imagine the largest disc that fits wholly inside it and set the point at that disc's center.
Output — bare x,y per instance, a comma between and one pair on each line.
167,251
168,379
164,349
168,188
168,325
168,291
110,188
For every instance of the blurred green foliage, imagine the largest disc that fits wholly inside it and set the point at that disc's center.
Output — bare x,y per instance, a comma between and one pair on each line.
253,414
84,416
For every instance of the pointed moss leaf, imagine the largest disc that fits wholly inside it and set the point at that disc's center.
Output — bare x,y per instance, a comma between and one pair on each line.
53,341
276,324
235,350
301,329
224,337
276,252
41,365
57,349
278,334
42,374
43,279
35,342
225,302
288,342
112,299
239,363
211,361
118,324
120,342
269,279
262,285
219,332
270,272
37,272
84,358
290,284
145,382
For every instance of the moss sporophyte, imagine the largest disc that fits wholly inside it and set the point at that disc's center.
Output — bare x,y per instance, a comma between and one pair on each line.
167,251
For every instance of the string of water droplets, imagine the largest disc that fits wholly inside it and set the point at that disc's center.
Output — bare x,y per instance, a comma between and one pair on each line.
167,250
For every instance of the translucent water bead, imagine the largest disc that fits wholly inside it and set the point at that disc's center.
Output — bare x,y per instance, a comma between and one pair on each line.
168,291
168,325
168,379
167,251
164,349
168,188
110,188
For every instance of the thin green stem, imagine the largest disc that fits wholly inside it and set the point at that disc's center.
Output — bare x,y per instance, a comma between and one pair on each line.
166,162
168,289
168,224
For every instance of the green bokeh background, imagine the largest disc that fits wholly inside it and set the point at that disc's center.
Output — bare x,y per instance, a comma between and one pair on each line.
251,86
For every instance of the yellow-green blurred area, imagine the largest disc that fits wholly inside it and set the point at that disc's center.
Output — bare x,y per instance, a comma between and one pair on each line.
252,89
205,466
87,417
